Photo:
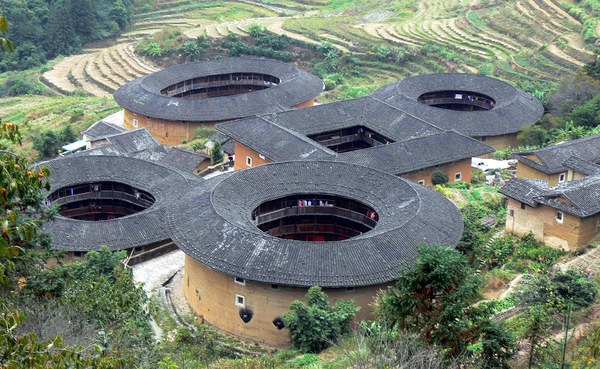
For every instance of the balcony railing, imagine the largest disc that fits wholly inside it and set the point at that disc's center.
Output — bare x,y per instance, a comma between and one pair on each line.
139,200
316,210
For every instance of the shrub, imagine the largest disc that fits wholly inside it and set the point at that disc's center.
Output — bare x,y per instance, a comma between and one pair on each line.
315,325
18,85
532,136
439,178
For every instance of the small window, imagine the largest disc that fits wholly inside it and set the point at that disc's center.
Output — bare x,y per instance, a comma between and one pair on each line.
261,156
458,176
248,161
78,254
275,287
511,213
241,281
559,216
421,182
349,289
522,206
240,301
562,177
135,123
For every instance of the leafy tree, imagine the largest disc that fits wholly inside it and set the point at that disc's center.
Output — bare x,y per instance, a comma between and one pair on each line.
439,178
21,205
216,153
532,136
48,144
536,328
316,325
558,290
586,114
435,299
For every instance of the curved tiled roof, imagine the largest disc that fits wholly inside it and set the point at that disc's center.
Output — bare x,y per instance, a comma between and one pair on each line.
513,107
216,227
142,96
135,230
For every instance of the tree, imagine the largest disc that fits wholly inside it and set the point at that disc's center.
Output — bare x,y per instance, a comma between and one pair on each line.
535,329
532,136
216,153
435,299
557,290
316,325
552,296
439,178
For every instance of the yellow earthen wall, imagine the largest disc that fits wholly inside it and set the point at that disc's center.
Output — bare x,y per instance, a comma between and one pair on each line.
463,167
172,133
571,235
525,171
212,295
165,131
242,152
501,142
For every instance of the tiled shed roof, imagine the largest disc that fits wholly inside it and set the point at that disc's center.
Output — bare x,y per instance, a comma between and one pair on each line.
551,159
580,198
217,229
183,159
142,96
102,129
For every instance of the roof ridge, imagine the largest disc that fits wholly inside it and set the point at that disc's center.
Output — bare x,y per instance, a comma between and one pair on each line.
562,144
407,113
301,137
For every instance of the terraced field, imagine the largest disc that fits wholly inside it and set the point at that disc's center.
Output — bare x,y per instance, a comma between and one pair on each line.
523,40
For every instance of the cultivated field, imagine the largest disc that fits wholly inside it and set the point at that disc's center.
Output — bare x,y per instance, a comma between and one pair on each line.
523,40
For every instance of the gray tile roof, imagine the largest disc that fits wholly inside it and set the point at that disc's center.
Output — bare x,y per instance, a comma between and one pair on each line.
135,230
217,230
580,198
551,159
365,111
183,159
143,96
282,136
102,129
138,143
418,153
582,166
513,110
272,140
